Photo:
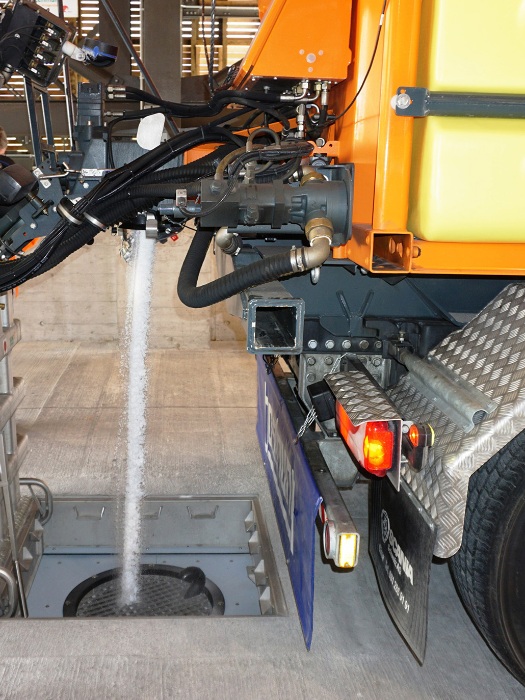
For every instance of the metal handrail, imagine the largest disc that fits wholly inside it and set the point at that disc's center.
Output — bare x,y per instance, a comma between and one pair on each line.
8,577
46,511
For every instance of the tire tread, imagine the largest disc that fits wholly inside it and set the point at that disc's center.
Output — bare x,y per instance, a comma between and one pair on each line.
493,491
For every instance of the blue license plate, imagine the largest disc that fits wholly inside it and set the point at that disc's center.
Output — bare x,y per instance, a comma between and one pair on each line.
295,495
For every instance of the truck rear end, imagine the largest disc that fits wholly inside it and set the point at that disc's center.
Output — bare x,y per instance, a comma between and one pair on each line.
411,368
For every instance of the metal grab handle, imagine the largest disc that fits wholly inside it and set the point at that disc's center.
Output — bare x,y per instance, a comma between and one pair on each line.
46,511
8,577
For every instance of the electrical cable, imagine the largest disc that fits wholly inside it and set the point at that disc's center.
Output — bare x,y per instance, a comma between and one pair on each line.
333,119
211,64
127,116
65,237
20,32
203,32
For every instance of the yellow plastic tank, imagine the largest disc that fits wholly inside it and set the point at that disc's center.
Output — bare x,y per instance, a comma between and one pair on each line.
468,174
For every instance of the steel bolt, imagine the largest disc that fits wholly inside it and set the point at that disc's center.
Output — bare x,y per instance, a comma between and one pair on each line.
329,360
329,345
310,361
347,344
378,345
403,101
310,377
85,185
312,344
364,344
32,225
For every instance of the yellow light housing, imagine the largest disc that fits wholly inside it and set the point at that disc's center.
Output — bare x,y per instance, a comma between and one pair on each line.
347,550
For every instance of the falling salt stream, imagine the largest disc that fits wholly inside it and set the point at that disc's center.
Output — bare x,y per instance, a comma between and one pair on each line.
137,324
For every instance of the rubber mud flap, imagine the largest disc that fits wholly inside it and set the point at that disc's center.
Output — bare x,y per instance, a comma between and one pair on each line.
402,538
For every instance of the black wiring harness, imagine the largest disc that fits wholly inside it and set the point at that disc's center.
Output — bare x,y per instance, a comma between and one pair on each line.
134,186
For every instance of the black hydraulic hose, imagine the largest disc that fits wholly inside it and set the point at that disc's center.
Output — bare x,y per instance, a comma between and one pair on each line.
51,252
265,270
281,172
111,213
66,238
256,100
145,164
267,109
203,167
204,109
152,193
185,173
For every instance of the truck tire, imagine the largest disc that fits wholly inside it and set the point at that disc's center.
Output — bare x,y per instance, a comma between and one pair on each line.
489,569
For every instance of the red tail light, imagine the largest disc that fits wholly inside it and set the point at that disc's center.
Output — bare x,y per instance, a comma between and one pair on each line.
378,447
374,444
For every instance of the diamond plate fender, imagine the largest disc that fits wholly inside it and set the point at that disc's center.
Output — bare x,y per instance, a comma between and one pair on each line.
489,353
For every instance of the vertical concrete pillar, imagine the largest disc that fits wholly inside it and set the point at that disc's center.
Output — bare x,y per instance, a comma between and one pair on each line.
162,45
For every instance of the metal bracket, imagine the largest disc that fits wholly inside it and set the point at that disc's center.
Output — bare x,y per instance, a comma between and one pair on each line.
420,102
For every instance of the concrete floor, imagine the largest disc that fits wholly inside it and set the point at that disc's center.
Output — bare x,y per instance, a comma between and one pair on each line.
201,440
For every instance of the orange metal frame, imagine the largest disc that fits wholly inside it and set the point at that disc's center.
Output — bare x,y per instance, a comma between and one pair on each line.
370,134
291,42
380,144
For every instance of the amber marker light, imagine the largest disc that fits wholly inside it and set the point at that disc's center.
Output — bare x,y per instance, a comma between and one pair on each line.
341,547
347,552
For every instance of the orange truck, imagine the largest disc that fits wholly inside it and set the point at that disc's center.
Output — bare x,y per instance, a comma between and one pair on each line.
412,346
362,180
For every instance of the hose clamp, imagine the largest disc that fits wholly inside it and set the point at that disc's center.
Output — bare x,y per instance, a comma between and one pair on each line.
64,209
92,220
297,260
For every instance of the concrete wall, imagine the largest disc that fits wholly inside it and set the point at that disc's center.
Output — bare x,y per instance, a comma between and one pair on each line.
84,299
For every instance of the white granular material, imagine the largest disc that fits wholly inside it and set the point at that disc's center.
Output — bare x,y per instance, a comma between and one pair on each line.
137,326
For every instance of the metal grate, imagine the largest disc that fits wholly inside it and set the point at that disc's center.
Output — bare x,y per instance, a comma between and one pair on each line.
164,591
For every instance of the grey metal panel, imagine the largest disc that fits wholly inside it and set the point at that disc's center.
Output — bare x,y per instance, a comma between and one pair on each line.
489,353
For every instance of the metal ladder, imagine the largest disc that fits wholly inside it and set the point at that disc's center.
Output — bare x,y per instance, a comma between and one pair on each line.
21,516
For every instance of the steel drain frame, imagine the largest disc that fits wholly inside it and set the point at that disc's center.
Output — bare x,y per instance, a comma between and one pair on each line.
224,536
